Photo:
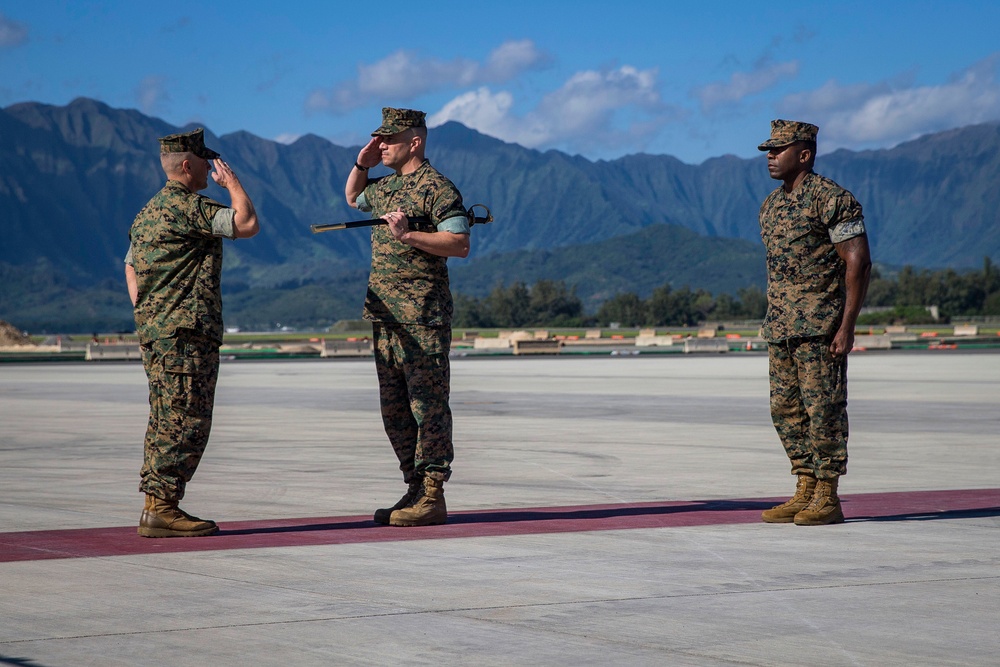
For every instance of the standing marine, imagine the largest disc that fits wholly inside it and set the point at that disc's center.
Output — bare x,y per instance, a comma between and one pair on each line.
173,271
818,268
410,306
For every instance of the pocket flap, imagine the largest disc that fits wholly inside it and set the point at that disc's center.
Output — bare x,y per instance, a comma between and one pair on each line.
181,365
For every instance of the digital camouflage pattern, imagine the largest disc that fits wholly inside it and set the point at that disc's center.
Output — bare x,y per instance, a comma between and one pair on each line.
809,405
187,142
414,387
178,265
787,132
805,275
178,315
409,302
182,373
806,293
397,120
407,285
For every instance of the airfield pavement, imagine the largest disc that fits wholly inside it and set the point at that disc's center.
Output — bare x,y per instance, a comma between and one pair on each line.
604,511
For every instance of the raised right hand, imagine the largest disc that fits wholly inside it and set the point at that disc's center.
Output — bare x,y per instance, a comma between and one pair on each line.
371,154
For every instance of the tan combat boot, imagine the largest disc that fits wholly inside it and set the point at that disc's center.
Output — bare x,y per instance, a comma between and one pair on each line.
427,509
824,508
413,491
163,518
785,512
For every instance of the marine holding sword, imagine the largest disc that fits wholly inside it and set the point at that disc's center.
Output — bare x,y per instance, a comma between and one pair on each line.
409,304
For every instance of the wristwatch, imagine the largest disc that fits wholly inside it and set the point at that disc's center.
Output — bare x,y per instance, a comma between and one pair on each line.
359,167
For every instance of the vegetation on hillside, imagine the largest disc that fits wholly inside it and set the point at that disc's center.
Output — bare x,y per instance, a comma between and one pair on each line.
642,238
900,299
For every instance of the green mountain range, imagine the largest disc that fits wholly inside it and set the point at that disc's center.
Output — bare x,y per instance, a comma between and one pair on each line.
73,177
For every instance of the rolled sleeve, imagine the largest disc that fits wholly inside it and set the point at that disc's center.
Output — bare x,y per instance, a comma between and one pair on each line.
456,224
847,230
363,205
223,223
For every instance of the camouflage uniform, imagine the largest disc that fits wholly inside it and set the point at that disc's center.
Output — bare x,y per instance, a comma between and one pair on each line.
176,251
805,304
409,302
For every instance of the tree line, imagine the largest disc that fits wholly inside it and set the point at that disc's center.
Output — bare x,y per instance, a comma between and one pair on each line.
553,304
966,294
902,298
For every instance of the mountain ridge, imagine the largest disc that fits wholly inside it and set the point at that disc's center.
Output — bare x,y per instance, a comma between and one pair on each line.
75,176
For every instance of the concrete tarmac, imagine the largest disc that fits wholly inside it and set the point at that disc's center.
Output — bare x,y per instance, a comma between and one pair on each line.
604,511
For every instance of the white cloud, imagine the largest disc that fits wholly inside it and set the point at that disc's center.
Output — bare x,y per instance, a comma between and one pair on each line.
287,138
511,59
152,95
12,33
745,84
405,75
887,113
590,112
833,97
479,109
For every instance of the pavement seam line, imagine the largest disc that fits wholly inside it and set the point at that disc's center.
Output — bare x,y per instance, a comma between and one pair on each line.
497,607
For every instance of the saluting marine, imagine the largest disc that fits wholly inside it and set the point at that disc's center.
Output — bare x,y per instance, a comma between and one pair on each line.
409,304
173,271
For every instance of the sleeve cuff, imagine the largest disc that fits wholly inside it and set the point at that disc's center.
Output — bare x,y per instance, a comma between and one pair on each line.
458,224
847,230
363,204
222,223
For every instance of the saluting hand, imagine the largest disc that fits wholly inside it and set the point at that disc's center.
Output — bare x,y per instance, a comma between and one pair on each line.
222,174
371,154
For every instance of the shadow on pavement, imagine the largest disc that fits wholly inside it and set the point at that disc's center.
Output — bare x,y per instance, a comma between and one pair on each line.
515,515
19,662
978,513
521,515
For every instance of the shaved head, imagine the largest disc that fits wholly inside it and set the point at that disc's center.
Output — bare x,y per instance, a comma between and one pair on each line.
171,162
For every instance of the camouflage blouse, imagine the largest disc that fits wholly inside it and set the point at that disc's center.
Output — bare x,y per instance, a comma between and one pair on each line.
805,275
407,285
177,257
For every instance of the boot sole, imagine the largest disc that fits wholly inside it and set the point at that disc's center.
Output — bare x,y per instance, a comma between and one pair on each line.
166,532
821,522
787,518
836,517
382,516
414,524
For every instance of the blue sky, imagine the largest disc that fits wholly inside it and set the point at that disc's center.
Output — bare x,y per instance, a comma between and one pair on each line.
601,79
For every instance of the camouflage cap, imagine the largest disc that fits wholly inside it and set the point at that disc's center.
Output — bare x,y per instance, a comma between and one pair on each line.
397,120
187,142
785,132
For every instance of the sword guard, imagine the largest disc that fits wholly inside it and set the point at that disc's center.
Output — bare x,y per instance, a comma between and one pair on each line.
476,220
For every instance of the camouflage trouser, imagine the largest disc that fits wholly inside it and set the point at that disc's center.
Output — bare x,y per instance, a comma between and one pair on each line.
809,405
414,385
182,373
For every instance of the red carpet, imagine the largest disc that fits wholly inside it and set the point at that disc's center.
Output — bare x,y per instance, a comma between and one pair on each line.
123,541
